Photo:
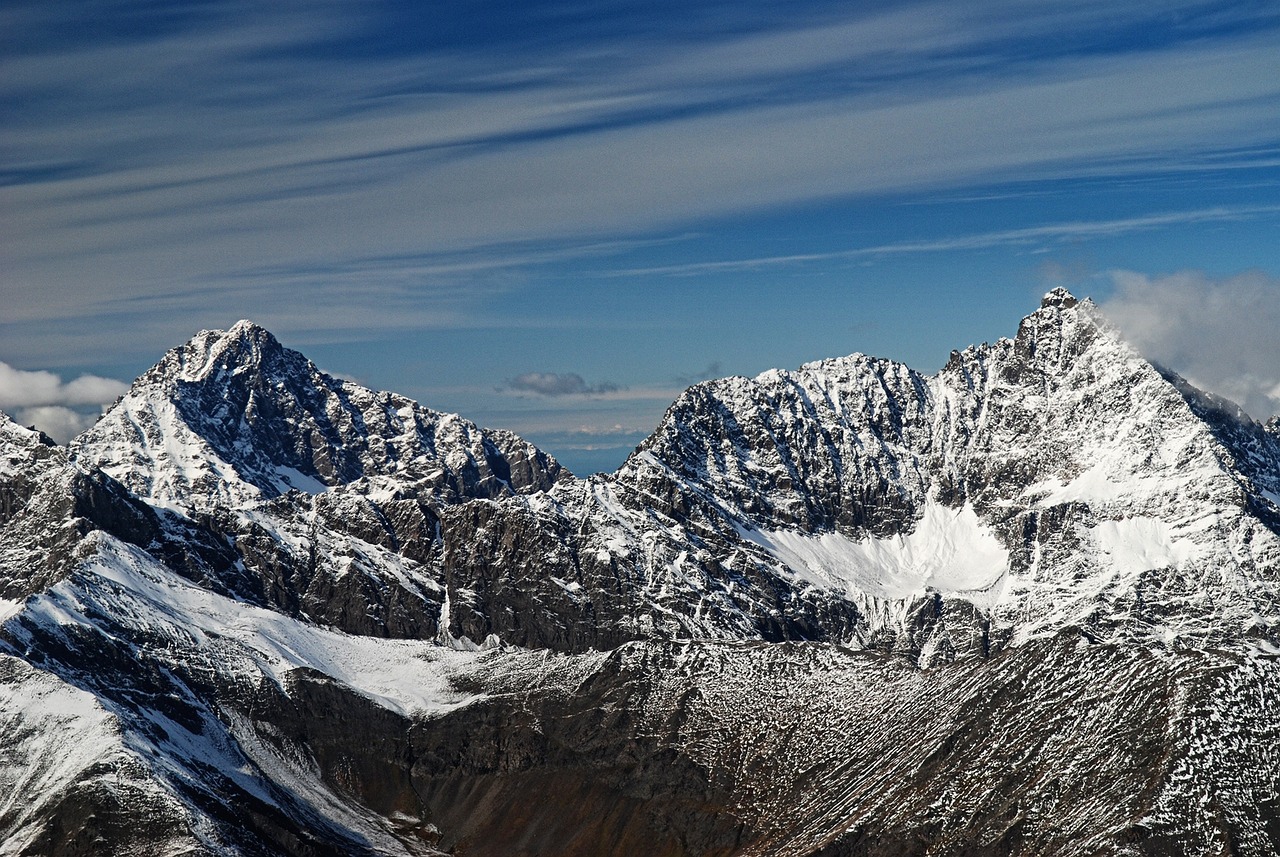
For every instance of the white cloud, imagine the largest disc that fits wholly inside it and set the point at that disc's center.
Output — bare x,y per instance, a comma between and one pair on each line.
60,409
20,388
93,390
60,423
1219,333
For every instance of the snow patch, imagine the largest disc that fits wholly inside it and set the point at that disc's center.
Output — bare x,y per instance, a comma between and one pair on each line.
55,735
1093,485
1135,545
407,676
290,477
950,550
8,609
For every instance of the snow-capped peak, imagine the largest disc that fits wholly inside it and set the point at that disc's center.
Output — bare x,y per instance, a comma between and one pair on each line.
242,347
1096,474
1058,297
166,685
235,416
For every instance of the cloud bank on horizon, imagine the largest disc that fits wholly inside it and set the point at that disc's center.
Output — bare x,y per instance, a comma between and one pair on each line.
559,384
538,185
56,407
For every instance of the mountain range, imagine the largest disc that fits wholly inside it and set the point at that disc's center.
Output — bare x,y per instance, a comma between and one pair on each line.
1026,605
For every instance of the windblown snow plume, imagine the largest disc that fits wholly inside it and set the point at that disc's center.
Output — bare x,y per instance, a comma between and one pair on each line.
1220,334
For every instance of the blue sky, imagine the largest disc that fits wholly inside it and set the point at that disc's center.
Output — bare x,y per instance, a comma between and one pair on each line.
551,217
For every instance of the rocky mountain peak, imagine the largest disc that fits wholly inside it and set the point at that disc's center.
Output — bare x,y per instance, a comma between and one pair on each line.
210,354
16,440
234,416
1054,336
1058,297
1077,475
25,456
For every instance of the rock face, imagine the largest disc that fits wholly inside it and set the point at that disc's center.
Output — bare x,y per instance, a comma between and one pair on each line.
1027,605
1053,480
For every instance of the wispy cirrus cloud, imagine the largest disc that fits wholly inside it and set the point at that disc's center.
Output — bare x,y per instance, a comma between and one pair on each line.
1043,235
236,138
